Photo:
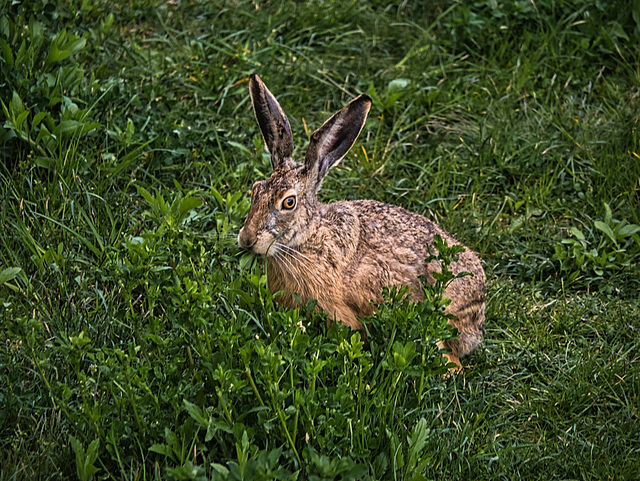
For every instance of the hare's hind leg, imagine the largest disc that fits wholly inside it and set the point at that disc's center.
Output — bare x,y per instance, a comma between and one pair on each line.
452,357
470,326
467,305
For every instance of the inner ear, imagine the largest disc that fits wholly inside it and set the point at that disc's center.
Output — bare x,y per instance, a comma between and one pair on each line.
273,123
331,142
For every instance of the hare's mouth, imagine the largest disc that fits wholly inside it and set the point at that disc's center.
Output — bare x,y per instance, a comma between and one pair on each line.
252,243
264,243
260,246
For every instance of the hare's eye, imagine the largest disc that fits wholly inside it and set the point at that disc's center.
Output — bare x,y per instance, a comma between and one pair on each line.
289,203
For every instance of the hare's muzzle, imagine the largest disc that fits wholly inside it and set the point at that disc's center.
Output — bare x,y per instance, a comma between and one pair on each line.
245,239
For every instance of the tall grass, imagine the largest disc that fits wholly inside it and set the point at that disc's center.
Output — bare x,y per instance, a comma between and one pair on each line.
138,341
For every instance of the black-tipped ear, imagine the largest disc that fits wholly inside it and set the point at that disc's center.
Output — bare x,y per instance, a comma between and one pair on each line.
273,124
330,143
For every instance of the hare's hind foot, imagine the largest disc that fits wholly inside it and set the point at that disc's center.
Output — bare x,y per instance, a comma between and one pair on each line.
452,358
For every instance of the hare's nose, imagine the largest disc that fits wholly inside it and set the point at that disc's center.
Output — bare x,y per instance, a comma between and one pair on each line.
244,239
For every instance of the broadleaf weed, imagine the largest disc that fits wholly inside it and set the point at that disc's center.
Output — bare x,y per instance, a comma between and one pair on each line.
609,247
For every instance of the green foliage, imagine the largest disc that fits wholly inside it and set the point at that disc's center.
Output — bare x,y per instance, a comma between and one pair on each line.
41,79
137,339
600,28
85,459
612,245
293,379
404,326
166,215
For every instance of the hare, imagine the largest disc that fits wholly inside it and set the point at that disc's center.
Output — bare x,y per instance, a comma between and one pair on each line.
343,254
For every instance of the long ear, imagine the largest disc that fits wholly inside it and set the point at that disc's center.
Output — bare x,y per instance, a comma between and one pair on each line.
330,143
273,124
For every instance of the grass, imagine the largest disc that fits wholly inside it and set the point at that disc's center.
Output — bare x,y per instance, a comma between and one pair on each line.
138,341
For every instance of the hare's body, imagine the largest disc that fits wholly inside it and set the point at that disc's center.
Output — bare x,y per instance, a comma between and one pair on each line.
343,276
343,254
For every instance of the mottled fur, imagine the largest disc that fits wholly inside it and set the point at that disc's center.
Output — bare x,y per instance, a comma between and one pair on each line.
343,253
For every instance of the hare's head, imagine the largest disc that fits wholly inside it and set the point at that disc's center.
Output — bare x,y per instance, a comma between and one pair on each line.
284,207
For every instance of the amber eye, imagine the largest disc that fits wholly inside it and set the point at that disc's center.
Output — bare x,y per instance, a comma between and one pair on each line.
289,203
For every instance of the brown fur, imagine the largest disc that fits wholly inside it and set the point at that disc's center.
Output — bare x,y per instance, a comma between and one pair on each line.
344,253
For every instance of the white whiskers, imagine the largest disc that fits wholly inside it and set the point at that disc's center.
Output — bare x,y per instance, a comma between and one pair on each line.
295,251
286,263
292,260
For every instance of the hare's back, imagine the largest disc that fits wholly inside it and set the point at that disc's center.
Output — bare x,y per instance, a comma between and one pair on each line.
401,236
394,226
